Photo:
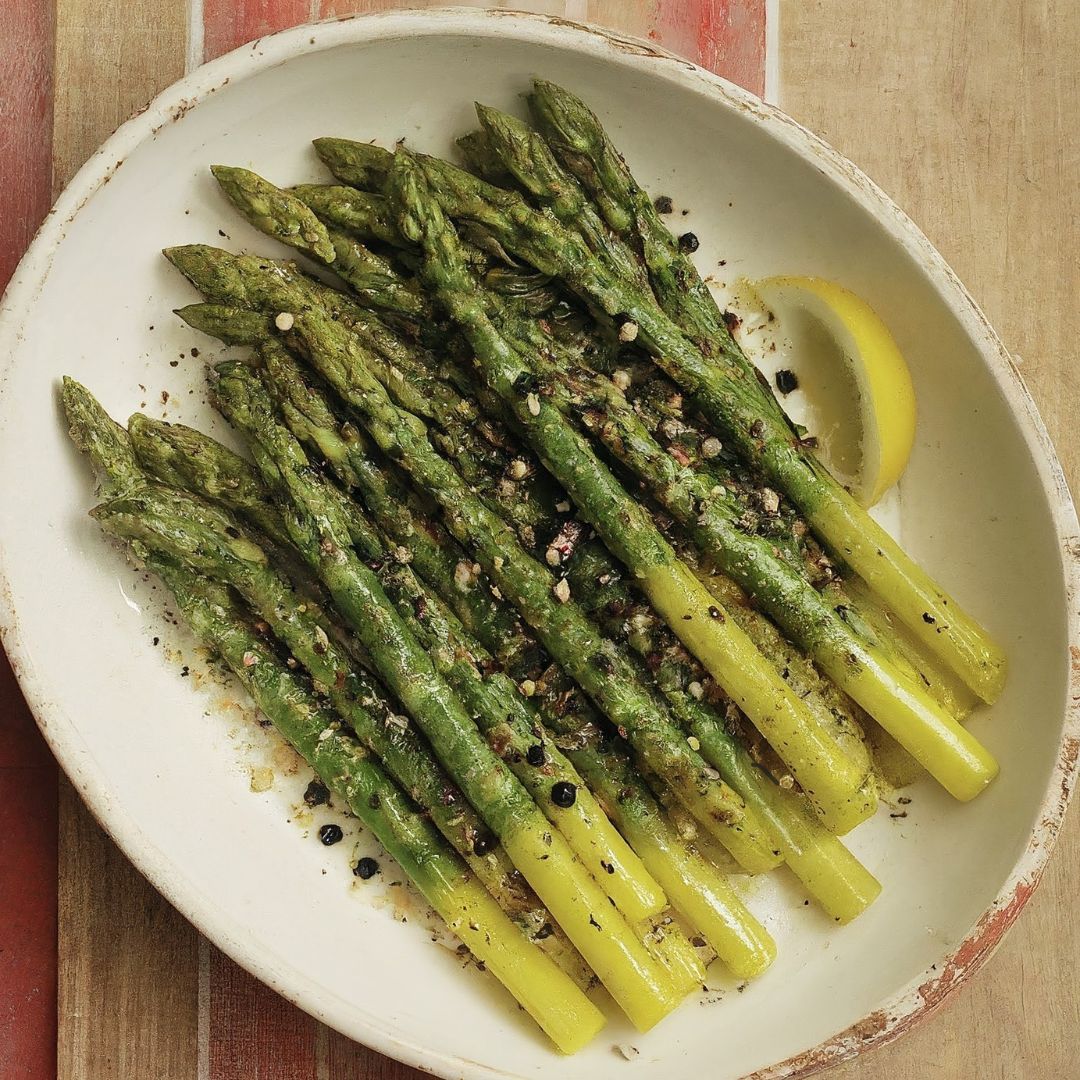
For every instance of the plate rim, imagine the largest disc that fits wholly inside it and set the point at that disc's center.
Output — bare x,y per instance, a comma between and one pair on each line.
922,995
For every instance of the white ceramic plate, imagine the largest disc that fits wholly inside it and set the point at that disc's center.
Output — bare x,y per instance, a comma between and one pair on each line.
166,769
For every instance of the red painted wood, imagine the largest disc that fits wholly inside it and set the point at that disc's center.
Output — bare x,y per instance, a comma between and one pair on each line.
346,1060
230,23
28,792
28,777
26,68
725,36
254,1033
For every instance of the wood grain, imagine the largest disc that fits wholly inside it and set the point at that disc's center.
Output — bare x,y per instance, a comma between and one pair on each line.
228,24
966,114
28,774
128,994
128,984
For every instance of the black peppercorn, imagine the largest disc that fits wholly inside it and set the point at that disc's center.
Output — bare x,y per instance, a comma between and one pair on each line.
663,204
535,754
786,381
688,243
316,793
563,794
330,834
483,844
366,868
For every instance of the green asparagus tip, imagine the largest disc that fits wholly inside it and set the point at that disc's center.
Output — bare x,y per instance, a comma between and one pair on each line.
406,177
277,213
228,323
183,256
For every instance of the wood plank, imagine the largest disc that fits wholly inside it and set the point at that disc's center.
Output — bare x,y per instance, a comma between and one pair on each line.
28,774
966,114
28,779
253,1033
128,992
725,36
26,71
228,24
128,980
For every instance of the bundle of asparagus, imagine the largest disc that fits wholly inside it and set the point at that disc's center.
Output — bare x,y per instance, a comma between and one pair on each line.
532,569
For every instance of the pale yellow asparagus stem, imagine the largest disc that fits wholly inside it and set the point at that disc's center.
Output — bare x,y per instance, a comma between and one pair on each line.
841,790
638,983
546,993
669,945
607,856
701,895
894,764
835,712
934,619
948,751
904,651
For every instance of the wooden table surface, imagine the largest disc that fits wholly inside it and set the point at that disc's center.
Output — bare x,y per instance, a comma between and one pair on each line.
964,110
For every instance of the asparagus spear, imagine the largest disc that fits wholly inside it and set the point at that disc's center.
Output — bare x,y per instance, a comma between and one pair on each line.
735,403
324,538
359,701
545,992
283,216
628,530
362,214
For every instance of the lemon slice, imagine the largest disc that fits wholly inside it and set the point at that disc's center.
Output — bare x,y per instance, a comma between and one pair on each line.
855,381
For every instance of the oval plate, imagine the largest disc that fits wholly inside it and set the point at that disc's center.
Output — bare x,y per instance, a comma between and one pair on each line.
168,772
